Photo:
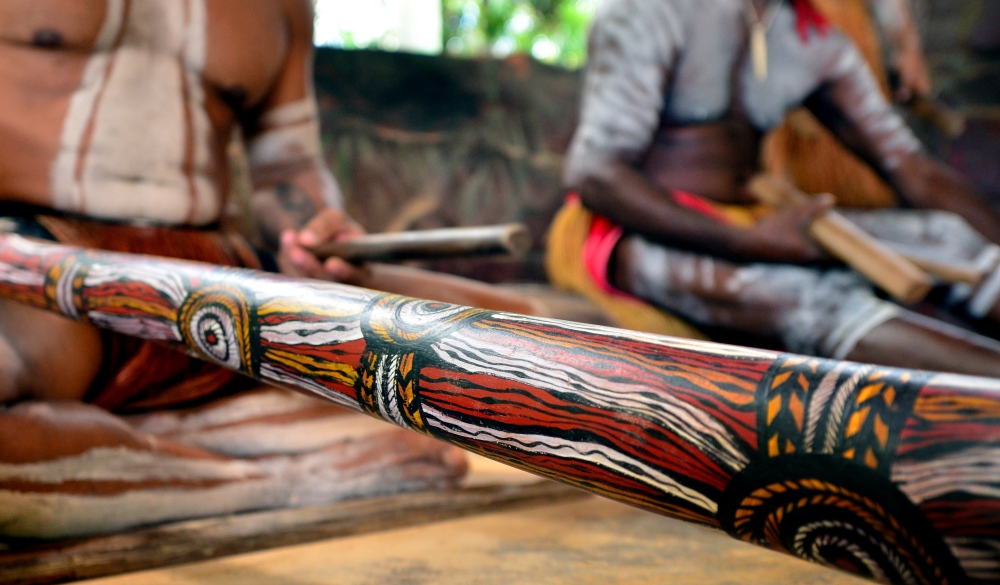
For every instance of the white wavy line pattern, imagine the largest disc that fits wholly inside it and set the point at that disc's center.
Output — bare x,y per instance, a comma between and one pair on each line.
598,454
973,471
689,423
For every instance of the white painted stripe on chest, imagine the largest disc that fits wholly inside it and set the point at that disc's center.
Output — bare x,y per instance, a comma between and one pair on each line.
135,143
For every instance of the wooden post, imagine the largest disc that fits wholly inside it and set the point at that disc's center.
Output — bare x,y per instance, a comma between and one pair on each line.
891,474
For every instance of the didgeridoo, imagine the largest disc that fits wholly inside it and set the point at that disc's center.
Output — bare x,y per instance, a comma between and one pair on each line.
884,267
891,474
512,239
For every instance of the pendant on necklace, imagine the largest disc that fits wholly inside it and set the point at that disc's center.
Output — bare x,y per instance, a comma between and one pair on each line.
758,50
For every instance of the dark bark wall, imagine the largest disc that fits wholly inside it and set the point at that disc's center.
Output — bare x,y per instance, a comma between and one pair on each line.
971,79
420,142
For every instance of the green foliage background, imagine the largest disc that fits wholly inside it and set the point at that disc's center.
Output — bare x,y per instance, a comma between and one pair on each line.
553,31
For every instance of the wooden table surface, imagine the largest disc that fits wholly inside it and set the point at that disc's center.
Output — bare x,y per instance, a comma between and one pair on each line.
585,541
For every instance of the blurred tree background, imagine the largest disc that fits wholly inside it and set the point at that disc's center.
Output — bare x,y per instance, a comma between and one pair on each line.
552,31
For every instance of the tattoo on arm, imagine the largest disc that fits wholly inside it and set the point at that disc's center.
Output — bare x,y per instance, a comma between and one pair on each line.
298,206
284,206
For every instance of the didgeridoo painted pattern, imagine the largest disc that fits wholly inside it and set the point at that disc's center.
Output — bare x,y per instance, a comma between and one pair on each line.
888,473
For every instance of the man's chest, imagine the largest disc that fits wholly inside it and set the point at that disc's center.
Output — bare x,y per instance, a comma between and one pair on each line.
233,45
713,76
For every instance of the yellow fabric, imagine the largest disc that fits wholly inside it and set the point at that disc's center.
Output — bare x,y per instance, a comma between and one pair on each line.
807,154
566,270
741,215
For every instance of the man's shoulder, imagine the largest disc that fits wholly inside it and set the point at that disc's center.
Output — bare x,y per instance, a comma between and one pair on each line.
670,17
629,17
643,8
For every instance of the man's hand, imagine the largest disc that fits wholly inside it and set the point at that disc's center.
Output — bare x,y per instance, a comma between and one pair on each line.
784,235
296,259
914,77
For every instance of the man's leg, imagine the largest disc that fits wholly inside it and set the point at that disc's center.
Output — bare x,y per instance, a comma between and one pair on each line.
70,469
45,356
830,313
914,341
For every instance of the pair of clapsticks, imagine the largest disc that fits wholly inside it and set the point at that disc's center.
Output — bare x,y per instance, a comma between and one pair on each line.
510,239
905,275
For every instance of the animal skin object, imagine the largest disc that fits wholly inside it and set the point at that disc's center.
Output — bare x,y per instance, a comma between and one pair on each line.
887,473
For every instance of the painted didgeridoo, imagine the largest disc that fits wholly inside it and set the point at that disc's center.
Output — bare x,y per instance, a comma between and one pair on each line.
888,473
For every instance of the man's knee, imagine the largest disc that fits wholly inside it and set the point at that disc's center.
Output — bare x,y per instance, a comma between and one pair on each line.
44,355
835,310
11,373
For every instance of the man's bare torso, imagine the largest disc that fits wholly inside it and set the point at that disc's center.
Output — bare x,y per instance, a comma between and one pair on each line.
123,108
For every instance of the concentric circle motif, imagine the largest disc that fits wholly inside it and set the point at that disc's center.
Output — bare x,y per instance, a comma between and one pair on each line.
832,511
216,321
399,332
411,322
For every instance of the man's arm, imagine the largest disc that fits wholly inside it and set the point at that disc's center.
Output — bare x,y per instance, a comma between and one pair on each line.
850,104
633,44
614,189
295,199
296,202
906,55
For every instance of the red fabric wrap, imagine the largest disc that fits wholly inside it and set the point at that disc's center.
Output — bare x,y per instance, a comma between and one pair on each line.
604,235
808,17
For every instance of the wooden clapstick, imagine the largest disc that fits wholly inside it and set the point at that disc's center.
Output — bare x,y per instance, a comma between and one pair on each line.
512,239
946,271
884,267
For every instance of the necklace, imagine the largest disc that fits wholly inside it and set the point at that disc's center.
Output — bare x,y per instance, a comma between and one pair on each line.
759,25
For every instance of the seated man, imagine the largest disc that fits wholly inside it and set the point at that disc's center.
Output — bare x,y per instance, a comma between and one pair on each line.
676,98
115,116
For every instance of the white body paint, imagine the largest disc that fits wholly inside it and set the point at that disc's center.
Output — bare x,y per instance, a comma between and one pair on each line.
324,456
342,472
125,465
245,426
136,141
813,311
279,449
289,135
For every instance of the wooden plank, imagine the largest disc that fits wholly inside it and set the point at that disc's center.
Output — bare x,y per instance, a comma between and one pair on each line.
196,540
585,542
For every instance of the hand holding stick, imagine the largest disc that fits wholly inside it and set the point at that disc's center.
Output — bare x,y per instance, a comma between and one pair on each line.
512,239
884,267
